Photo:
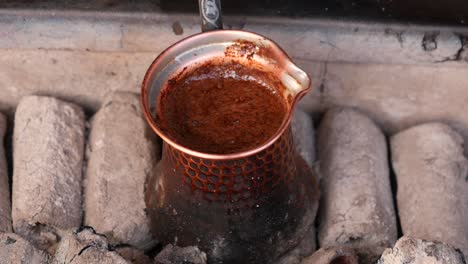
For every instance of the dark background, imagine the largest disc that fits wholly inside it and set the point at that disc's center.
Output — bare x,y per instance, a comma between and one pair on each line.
447,12
452,12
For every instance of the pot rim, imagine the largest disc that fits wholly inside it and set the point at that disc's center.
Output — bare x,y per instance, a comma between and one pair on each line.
146,86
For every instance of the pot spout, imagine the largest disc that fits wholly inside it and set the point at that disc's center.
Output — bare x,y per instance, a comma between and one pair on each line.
296,81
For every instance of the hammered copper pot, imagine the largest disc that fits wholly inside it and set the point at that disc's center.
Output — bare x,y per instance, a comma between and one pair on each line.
248,207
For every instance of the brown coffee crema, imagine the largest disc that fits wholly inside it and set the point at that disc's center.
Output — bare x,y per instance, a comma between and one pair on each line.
221,108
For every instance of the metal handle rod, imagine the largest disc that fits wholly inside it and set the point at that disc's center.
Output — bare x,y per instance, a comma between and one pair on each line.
210,14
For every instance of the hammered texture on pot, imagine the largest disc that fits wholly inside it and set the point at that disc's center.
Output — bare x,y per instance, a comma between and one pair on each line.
238,181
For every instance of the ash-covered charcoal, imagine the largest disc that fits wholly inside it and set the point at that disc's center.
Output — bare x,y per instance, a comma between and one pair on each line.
303,134
47,181
177,255
133,255
5,205
16,250
416,251
431,172
333,255
84,246
121,155
356,207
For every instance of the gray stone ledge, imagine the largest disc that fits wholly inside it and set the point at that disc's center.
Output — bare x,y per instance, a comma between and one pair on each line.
307,39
